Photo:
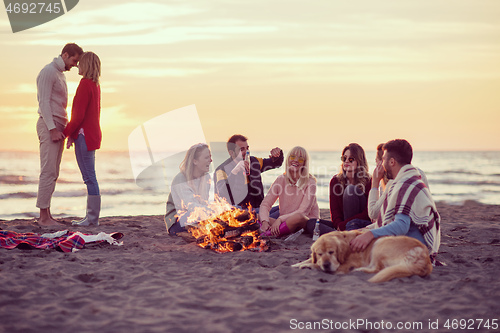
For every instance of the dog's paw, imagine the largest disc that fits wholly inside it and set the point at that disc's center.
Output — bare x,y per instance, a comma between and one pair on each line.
305,264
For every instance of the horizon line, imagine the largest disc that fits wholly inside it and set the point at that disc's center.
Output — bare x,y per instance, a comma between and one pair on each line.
259,150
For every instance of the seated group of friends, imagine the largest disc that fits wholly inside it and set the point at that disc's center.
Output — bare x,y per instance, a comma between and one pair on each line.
395,200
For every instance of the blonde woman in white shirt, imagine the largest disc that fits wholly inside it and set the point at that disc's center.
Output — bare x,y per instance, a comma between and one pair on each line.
189,189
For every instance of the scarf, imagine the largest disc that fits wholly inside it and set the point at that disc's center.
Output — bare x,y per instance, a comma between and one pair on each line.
408,195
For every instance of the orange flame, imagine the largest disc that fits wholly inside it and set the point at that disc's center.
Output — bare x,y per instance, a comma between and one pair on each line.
224,228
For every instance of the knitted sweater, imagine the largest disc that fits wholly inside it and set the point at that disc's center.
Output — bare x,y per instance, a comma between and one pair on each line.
52,93
85,114
291,199
183,198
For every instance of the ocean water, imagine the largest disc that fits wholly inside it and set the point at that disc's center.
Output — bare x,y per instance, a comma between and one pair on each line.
454,177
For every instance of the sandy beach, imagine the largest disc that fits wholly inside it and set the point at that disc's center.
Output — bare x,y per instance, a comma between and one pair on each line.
158,283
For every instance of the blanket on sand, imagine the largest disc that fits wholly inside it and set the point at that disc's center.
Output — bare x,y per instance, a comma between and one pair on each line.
62,240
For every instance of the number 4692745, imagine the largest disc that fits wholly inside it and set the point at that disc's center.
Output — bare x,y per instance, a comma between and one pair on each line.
471,324
33,8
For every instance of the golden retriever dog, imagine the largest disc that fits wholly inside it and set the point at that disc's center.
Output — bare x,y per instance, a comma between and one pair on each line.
390,257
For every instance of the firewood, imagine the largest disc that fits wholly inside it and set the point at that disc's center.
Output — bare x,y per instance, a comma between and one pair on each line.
223,237
246,240
232,232
244,216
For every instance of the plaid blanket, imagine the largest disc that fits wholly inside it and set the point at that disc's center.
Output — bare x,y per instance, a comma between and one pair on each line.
61,240
408,195
66,243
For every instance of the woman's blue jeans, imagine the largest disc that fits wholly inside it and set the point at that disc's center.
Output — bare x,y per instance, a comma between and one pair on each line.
86,163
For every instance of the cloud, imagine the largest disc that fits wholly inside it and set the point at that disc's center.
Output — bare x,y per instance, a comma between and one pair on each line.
159,35
145,23
21,111
23,88
161,72
391,41
324,64
115,117
30,88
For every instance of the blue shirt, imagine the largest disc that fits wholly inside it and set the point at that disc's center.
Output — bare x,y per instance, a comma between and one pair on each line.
401,226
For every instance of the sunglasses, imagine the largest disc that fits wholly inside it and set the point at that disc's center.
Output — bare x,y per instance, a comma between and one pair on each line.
350,159
299,159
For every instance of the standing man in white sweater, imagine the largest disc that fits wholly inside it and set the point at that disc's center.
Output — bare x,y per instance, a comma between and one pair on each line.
52,94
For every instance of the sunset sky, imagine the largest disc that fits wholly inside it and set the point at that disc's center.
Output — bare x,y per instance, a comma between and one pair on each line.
318,73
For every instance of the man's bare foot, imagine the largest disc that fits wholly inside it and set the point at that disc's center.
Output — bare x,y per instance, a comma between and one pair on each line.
47,222
46,219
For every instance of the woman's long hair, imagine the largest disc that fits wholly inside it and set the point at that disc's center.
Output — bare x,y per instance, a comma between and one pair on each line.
361,175
304,174
90,66
187,167
380,153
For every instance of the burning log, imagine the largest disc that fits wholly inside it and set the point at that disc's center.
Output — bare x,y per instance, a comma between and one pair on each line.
260,246
217,231
231,232
244,216
232,246
246,240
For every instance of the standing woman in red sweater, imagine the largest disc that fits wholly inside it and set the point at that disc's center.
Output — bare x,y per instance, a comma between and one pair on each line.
85,132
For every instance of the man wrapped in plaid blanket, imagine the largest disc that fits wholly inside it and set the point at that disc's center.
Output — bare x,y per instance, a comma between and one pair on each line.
408,208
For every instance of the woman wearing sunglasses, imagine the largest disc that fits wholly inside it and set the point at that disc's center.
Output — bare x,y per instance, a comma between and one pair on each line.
348,193
296,191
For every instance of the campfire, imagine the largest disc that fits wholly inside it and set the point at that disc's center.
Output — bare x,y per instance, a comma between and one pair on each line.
224,228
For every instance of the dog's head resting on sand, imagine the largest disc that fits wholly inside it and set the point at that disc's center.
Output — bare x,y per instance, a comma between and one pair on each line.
332,249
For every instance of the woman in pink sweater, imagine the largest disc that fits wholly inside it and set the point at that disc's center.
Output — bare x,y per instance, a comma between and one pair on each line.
296,191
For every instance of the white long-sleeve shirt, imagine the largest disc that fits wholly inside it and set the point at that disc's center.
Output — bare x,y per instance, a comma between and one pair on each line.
52,93
187,198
